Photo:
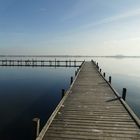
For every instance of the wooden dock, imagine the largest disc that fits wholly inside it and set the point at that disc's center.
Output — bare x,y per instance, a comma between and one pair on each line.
91,110
40,63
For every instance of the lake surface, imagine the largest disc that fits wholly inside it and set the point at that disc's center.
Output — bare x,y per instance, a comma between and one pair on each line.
28,92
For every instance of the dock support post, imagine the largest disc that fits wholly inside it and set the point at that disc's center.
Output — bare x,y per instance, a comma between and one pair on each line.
124,94
37,121
110,79
55,62
50,63
104,74
63,92
71,80
74,63
97,66
69,63
75,72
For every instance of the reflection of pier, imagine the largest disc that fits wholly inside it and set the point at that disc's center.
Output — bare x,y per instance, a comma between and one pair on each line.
91,110
41,63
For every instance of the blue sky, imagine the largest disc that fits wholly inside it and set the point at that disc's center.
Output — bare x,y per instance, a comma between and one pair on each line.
70,27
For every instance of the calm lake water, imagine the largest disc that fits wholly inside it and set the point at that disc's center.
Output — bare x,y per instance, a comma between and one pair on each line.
28,92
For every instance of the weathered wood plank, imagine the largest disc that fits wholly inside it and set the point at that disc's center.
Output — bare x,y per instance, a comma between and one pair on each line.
88,112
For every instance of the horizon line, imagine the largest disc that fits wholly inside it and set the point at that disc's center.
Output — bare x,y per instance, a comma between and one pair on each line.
70,56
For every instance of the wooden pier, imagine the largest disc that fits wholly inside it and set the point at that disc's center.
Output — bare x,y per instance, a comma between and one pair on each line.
91,110
40,63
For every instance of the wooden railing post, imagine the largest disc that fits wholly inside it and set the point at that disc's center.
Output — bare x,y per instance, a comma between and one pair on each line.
124,94
104,74
71,80
63,92
55,62
37,121
74,63
75,72
97,64
110,79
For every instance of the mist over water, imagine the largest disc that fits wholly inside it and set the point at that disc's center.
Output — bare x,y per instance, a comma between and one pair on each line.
28,92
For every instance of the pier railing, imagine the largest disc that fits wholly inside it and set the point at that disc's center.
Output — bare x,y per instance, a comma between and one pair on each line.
119,97
41,63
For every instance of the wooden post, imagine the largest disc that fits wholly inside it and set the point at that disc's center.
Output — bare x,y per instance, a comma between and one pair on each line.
104,74
97,64
63,92
55,62
124,94
75,72
75,63
69,63
110,79
37,121
71,80
50,63
100,70
9,62
18,62
83,63
58,63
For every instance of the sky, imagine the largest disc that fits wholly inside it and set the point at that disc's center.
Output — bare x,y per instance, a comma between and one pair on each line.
70,27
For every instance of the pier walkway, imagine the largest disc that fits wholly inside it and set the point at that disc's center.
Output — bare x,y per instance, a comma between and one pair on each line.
88,111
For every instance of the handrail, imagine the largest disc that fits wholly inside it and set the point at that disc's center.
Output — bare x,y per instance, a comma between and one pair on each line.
126,106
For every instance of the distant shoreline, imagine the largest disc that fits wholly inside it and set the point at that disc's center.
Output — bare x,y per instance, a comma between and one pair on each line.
115,56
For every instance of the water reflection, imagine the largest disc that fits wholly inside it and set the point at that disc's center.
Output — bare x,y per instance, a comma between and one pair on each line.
27,93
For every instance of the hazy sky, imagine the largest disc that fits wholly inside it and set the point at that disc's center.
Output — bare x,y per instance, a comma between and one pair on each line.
83,27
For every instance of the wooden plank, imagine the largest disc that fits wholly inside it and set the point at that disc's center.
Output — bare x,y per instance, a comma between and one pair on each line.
89,111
